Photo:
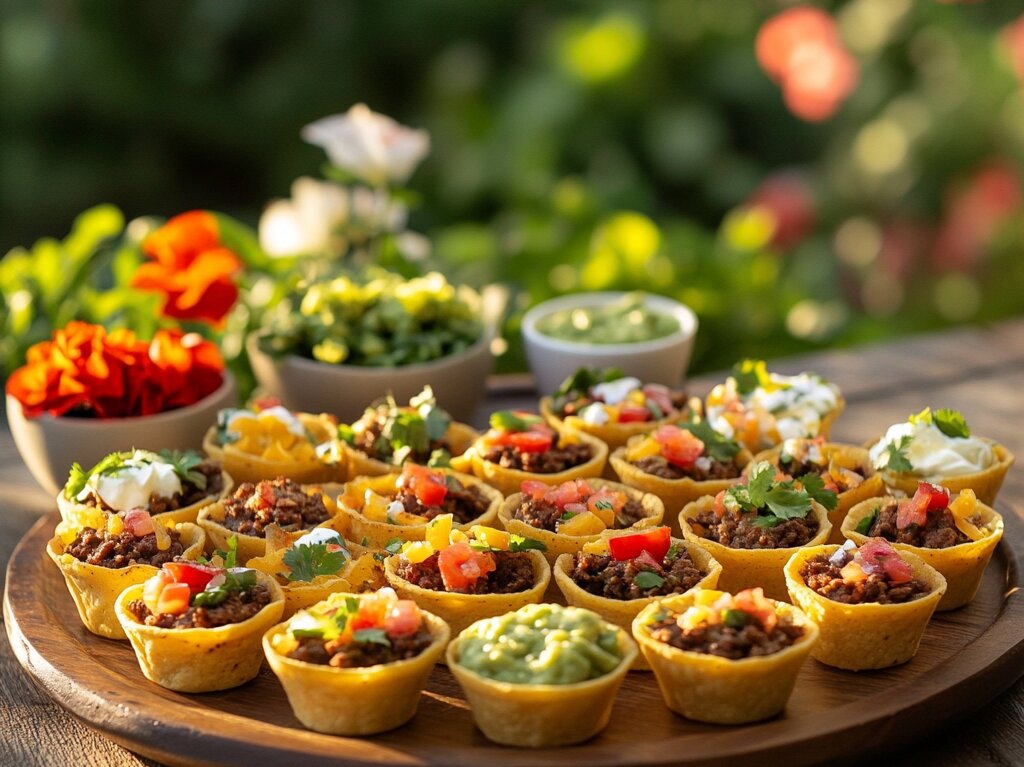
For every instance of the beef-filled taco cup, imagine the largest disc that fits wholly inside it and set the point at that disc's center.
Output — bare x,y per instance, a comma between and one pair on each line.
955,535
345,681
374,511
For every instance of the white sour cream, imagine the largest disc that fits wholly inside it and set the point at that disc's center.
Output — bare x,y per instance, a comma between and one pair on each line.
594,414
319,535
614,392
933,454
132,485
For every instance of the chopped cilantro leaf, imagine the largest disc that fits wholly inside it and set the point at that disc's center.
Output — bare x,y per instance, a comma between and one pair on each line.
749,374
735,619
185,463
371,636
864,526
346,433
440,459
309,561
520,543
584,379
814,486
567,516
951,423
648,579
898,460
674,551
230,556
77,478
716,447
766,521
233,581
393,546
508,420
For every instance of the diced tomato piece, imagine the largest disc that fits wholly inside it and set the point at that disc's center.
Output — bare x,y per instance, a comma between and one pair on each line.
912,511
754,603
373,609
583,488
633,414
877,555
429,486
138,522
938,496
605,495
265,403
193,575
655,541
403,619
719,507
536,490
679,446
564,494
152,588
645,559
531,441
461,566
173,599
660,396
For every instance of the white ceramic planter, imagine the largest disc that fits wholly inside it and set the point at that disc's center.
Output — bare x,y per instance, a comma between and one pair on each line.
49,445
459,381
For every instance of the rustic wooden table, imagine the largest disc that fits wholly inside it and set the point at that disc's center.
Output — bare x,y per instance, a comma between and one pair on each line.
980,372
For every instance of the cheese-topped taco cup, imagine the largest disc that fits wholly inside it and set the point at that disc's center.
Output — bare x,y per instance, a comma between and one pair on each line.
359,571
963,565
95,589
200,659
708,688
276,443
459,435
749,568
558,543
540,715
841,456
370,526
354,701
621,612
867,635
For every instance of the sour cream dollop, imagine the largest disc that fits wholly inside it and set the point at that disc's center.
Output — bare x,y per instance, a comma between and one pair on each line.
933,454
614,392
133,484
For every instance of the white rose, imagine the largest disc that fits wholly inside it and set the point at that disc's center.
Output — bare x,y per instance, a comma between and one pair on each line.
308,223
371,146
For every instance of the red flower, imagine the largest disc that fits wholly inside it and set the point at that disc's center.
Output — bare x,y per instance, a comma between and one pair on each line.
191,268
83,369
789,199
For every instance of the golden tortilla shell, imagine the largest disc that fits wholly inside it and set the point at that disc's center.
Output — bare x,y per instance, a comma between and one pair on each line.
199,659
246,467
748,568
558,543
376,534
508,481
962,566
95,588
460,610
849,457
708,688
459,436
541,715
356,701
985,483
211,519
869,635
621,612
675,493
615,435
70,511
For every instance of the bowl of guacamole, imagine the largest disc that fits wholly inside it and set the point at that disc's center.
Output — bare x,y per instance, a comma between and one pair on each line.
646,336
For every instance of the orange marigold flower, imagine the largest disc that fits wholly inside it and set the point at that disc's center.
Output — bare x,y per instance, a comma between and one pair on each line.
191,267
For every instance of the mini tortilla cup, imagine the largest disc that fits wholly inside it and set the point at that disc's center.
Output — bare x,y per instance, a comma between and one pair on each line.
508,481
985,483
708,688
541,715
748,568
211,519
459,436
71,511
356,701
675,493
460,610
962,566
200,659
355,526
359,571
559,543
247,467
95,588
615,435
864,636
848,457
621,612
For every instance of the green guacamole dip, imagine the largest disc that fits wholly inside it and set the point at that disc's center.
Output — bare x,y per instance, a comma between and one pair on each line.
541,644
624,322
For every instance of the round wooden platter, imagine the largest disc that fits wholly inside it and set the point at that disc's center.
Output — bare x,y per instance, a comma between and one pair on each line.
966,658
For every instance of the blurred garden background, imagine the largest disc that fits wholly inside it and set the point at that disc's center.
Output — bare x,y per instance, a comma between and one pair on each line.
798,184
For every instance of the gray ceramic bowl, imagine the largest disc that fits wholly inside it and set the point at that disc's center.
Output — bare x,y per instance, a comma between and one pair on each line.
663,360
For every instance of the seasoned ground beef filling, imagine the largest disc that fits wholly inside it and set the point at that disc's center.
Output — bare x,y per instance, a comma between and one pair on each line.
238,607
607,577
545,516
740,532
189,494
701,471
464,503
825,578
549,462
280,501
724,641
513,573
938,532
369,441
361,654
680,401
122,550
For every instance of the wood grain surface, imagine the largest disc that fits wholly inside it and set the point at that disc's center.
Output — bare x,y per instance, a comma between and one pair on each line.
978,371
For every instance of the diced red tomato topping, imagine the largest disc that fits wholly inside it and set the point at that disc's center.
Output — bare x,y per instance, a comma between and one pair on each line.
938,496
429,486
536,490
633,414
192,575
605,495
655,542
584,488
660,396
719,507
461,566
265,403
646,560
877,556
912,511
754,603
533,441
173,599
564,494
679,446
138,522
403,618
152,588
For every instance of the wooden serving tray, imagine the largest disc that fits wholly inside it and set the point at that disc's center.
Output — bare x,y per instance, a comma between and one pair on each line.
967,657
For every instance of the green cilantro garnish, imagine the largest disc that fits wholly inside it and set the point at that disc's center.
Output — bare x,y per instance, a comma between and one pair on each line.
394,545
774,501
406,431
864,526
648,579
371,636
584,379
230,556
749,375
658,616
716,447
509,420
897,450
440,459
520,543
604,505
346,433
306,562
951,423
674,551
185,463
233,581
77,478
814,485
735,619
567,516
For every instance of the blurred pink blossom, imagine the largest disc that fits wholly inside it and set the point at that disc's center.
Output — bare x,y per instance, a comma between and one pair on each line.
787,196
